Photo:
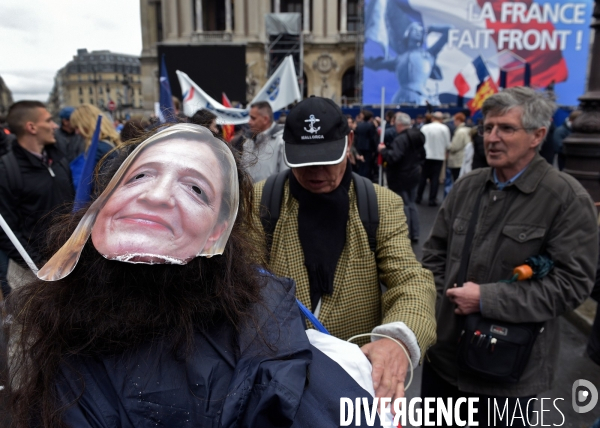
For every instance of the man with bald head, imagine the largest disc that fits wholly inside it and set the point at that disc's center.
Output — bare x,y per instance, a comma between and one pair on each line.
35,179
263,153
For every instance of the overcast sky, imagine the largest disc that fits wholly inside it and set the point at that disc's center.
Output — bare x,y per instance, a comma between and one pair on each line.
38,37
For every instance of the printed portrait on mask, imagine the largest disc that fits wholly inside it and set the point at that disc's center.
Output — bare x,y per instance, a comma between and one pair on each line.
174,198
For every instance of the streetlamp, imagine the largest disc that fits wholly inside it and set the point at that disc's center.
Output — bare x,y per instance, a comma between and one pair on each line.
582,147
127,97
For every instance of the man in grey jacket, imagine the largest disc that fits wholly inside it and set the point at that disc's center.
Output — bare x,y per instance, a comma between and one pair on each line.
264,152
527,208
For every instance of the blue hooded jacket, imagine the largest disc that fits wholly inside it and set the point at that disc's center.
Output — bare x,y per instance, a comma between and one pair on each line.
230,379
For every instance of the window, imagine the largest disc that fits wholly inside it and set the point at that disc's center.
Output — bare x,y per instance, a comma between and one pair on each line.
349,83
80,100
107,89
353,15
91,101
213,15
80,91
290,6
91,90
100,90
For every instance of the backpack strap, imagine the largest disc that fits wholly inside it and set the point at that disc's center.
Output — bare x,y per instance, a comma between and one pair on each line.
14,177
270,205
368,208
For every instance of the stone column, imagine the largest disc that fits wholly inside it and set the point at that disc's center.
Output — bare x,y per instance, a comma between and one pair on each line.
170,20
198,17
343,16
582,147
240,19
186,18
146,28
331,14
318,18
276,6
306,16
228,16
253,12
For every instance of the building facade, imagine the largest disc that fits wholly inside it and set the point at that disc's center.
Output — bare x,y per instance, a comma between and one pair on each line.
330,31
6,98
108,80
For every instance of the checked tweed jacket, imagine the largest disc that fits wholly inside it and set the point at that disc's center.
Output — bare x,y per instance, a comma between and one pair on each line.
357,305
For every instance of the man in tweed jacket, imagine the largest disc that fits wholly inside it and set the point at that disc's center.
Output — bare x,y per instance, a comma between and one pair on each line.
321,243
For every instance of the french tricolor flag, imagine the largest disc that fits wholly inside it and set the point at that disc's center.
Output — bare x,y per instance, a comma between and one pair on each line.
471,76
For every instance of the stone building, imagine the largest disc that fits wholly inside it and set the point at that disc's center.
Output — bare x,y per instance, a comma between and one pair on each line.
97,78
5,98
330,34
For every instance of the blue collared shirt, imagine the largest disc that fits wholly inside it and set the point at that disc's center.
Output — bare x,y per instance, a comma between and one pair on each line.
501,185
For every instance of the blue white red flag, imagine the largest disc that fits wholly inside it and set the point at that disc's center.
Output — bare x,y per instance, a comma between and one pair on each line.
471,76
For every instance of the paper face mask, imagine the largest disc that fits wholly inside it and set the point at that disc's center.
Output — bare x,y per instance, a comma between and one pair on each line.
174,198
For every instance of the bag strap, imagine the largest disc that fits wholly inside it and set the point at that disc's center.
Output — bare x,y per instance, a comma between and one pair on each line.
312,318
466,252
270,205
368,208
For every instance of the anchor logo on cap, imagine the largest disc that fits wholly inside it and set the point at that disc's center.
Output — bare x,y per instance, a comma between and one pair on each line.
311,120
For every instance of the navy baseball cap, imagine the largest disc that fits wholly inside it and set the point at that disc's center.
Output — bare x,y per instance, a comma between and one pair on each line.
315,133
66,113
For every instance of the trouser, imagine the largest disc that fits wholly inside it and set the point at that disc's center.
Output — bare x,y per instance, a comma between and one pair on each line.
562,159
432,385
455,173
364,168
431,170
409,198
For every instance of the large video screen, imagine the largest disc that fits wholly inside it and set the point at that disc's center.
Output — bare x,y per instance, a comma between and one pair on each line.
215,68
433,51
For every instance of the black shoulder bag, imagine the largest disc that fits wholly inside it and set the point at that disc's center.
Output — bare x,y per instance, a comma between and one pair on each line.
493,350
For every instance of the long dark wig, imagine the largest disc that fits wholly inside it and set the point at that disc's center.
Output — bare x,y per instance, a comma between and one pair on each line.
105,307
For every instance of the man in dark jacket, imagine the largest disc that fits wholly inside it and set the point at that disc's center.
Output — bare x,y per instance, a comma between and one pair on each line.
521,207
562,132
34,179
67,140
365,140
405,156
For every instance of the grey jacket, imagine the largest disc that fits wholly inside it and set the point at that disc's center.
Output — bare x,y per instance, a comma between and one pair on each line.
264,154
544,211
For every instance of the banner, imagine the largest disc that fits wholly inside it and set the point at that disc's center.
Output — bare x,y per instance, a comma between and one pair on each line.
420,50
280,90
228,130
195,99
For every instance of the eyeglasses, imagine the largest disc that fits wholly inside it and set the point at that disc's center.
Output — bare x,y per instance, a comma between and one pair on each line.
501,130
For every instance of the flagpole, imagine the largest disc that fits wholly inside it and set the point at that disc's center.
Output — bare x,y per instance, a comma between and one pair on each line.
15,241
381,135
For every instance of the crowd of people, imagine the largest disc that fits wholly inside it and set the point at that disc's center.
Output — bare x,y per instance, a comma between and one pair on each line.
208,282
